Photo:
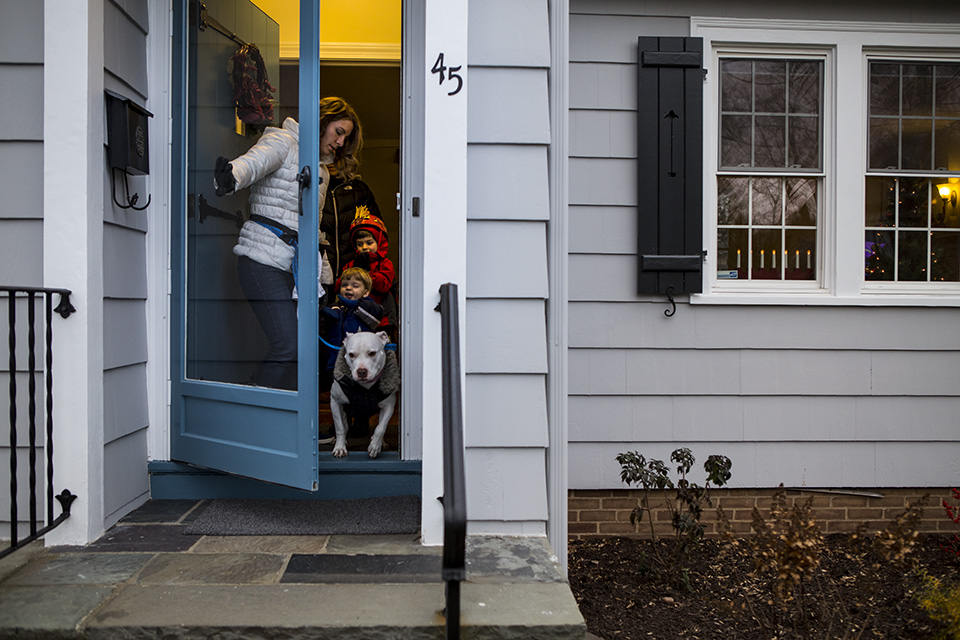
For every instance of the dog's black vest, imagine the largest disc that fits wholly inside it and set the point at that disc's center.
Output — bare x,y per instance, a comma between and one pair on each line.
363,401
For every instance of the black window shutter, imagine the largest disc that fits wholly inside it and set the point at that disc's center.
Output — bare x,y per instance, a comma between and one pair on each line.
670,166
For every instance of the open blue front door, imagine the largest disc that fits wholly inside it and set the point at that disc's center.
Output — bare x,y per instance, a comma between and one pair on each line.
229,86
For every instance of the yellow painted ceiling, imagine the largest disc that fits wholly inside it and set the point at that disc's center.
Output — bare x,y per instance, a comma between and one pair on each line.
348,28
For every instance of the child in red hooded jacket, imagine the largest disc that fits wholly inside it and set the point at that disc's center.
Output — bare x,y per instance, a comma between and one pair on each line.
369,236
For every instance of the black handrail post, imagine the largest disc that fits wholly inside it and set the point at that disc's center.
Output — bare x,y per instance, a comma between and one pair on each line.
65,498
454,482
12,345
48,377
32,407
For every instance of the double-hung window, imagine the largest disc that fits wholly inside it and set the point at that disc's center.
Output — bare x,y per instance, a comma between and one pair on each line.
831,162
913,172
770,176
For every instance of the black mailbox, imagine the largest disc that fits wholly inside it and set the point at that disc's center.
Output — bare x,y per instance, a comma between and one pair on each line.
127,135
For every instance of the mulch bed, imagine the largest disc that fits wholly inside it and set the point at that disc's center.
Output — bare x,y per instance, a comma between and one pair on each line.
622,594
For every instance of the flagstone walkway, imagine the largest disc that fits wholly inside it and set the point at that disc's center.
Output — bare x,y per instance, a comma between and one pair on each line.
146,578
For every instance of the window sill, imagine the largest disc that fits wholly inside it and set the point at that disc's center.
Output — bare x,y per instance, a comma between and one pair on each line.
866,299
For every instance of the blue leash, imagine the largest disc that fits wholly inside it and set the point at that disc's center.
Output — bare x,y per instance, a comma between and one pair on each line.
390,346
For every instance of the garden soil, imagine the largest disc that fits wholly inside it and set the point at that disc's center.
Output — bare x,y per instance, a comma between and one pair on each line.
851,594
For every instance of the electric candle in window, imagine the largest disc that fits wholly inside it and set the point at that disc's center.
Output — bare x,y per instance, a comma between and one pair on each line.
773,256
796,262
738,258
808,258
761,258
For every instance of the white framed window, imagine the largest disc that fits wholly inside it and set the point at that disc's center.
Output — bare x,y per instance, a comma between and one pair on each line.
824,159
770,176
912,230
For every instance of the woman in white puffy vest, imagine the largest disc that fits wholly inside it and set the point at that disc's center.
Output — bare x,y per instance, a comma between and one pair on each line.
267,247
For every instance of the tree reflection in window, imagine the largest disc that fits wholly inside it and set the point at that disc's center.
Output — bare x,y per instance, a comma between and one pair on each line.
770,113
771,157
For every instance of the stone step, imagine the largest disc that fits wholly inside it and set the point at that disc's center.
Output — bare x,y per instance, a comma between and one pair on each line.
149,580
320,611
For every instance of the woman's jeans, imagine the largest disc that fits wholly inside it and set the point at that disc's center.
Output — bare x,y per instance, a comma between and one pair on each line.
270,291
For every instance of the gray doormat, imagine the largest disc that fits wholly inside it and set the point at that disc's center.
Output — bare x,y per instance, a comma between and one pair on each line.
229,517
371,569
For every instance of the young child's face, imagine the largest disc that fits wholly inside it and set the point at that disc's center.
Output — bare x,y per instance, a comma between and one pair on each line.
366,245
353,288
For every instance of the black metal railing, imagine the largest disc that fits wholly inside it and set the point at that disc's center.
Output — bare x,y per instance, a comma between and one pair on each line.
34,297
454,483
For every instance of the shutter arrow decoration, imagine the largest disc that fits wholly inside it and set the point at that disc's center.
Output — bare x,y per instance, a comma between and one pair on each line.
672,117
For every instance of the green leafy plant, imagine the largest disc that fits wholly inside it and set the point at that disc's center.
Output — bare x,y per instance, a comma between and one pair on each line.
942,601
684,499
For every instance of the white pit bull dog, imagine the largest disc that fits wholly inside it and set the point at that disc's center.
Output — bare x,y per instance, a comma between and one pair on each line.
366,377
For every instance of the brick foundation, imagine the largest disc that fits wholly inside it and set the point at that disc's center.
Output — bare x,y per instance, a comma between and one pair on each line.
607,512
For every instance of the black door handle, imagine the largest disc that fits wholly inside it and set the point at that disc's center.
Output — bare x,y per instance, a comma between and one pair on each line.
304,181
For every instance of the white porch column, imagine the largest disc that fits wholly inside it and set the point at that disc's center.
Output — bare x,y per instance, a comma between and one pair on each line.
159,76
73,170
444,211
558,309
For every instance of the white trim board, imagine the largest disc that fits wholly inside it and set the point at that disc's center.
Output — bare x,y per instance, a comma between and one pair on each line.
354,51
444,222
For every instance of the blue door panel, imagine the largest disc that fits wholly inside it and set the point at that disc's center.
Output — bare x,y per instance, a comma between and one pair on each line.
218,420
252,427
271,465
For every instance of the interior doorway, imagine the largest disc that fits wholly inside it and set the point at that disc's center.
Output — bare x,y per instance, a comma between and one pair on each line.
373,88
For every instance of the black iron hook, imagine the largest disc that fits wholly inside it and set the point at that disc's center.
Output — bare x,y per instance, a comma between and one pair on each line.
131,200
673,305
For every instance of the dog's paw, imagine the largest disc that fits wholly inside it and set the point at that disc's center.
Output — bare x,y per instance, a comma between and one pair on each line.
373,450
339,450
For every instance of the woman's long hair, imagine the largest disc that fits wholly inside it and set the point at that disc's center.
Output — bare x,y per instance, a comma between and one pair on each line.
345,160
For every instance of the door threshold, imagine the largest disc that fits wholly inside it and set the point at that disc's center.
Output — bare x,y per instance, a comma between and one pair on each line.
356,476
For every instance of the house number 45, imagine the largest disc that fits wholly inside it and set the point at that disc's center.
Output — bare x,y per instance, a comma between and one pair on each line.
448,73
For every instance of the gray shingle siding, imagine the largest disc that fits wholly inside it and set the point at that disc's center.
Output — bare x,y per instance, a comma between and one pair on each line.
508,134
821,396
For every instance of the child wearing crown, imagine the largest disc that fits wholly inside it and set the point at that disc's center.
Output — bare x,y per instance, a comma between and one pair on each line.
369,236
